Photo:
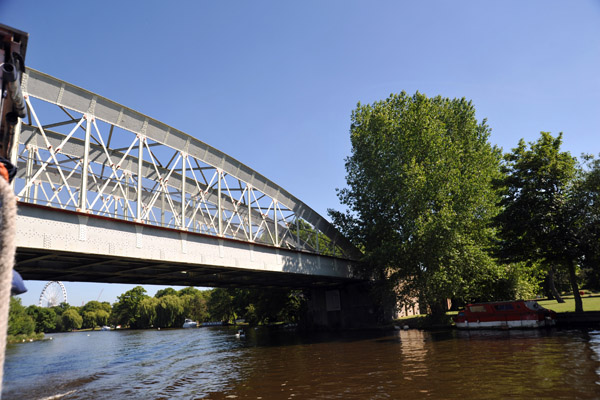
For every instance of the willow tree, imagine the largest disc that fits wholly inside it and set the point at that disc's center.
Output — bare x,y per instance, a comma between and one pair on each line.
419,197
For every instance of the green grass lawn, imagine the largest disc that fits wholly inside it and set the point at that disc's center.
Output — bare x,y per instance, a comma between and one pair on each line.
591,302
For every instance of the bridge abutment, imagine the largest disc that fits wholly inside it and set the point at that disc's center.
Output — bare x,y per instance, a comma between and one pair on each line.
347,307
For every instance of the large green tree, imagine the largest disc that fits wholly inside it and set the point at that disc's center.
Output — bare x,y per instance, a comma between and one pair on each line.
71,319
589,191
541,213
126,311
94,305
169,311
89,319
420,198
95,314
221,305
45,318
195,303
264,306
147,309
19,321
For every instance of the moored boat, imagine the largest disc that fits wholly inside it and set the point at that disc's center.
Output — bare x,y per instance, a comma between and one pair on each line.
505,315
190,324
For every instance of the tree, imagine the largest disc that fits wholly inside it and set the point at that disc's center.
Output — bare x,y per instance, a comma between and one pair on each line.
195,304
62,307
126,310
587,195
95,313
71,319
220,305
190,290
19,321
541,209
147,311
310,239
258,306
96,305
169,312
89,319
45,318
165,292
420,199
102,317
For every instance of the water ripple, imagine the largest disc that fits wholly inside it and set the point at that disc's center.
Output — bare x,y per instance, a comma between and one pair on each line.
210,363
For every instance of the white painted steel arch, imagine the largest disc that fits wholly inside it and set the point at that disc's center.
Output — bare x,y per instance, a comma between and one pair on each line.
139,169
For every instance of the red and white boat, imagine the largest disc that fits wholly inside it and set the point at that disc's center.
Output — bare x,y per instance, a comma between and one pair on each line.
505,315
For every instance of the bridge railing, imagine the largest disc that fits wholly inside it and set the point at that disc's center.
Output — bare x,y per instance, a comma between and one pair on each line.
79,151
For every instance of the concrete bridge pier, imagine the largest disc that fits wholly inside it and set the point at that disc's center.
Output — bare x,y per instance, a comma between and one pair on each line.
347,307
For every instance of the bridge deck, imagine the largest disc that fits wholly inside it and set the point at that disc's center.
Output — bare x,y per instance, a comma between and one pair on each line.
69,246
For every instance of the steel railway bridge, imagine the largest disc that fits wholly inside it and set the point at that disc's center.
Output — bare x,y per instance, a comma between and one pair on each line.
107,194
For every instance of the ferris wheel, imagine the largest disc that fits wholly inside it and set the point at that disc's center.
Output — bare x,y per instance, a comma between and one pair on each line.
53,294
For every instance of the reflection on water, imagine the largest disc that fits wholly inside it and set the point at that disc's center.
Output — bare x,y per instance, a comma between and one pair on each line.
211,363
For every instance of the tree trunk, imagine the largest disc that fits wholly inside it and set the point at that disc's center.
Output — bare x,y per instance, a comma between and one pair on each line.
438,310
553,287
574,286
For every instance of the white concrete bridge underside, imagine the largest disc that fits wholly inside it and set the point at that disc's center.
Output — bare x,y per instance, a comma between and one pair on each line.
65,245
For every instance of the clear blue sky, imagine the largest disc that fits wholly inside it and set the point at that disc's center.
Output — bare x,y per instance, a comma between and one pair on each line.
273,83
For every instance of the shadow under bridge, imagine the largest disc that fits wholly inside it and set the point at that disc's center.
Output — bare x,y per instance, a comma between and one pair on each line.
107,194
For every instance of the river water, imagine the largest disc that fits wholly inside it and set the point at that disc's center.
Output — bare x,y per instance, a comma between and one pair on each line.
211,363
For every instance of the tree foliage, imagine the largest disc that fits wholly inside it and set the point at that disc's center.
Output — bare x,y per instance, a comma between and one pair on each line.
168,309
419,196
126,310
19,321
165,292
71,319
588,190
310,238
45,319
89,319
169,312
195,303
221,305
542,209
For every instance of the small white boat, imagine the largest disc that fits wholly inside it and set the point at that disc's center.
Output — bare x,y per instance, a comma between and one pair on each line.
190,324
240,334
105,328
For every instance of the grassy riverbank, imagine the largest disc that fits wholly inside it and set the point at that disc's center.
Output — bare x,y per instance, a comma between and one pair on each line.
591,302
24,338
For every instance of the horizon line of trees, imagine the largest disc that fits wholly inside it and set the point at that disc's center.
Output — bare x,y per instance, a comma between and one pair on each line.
167,309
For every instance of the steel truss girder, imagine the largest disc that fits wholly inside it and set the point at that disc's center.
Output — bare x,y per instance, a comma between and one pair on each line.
261,210
74,148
